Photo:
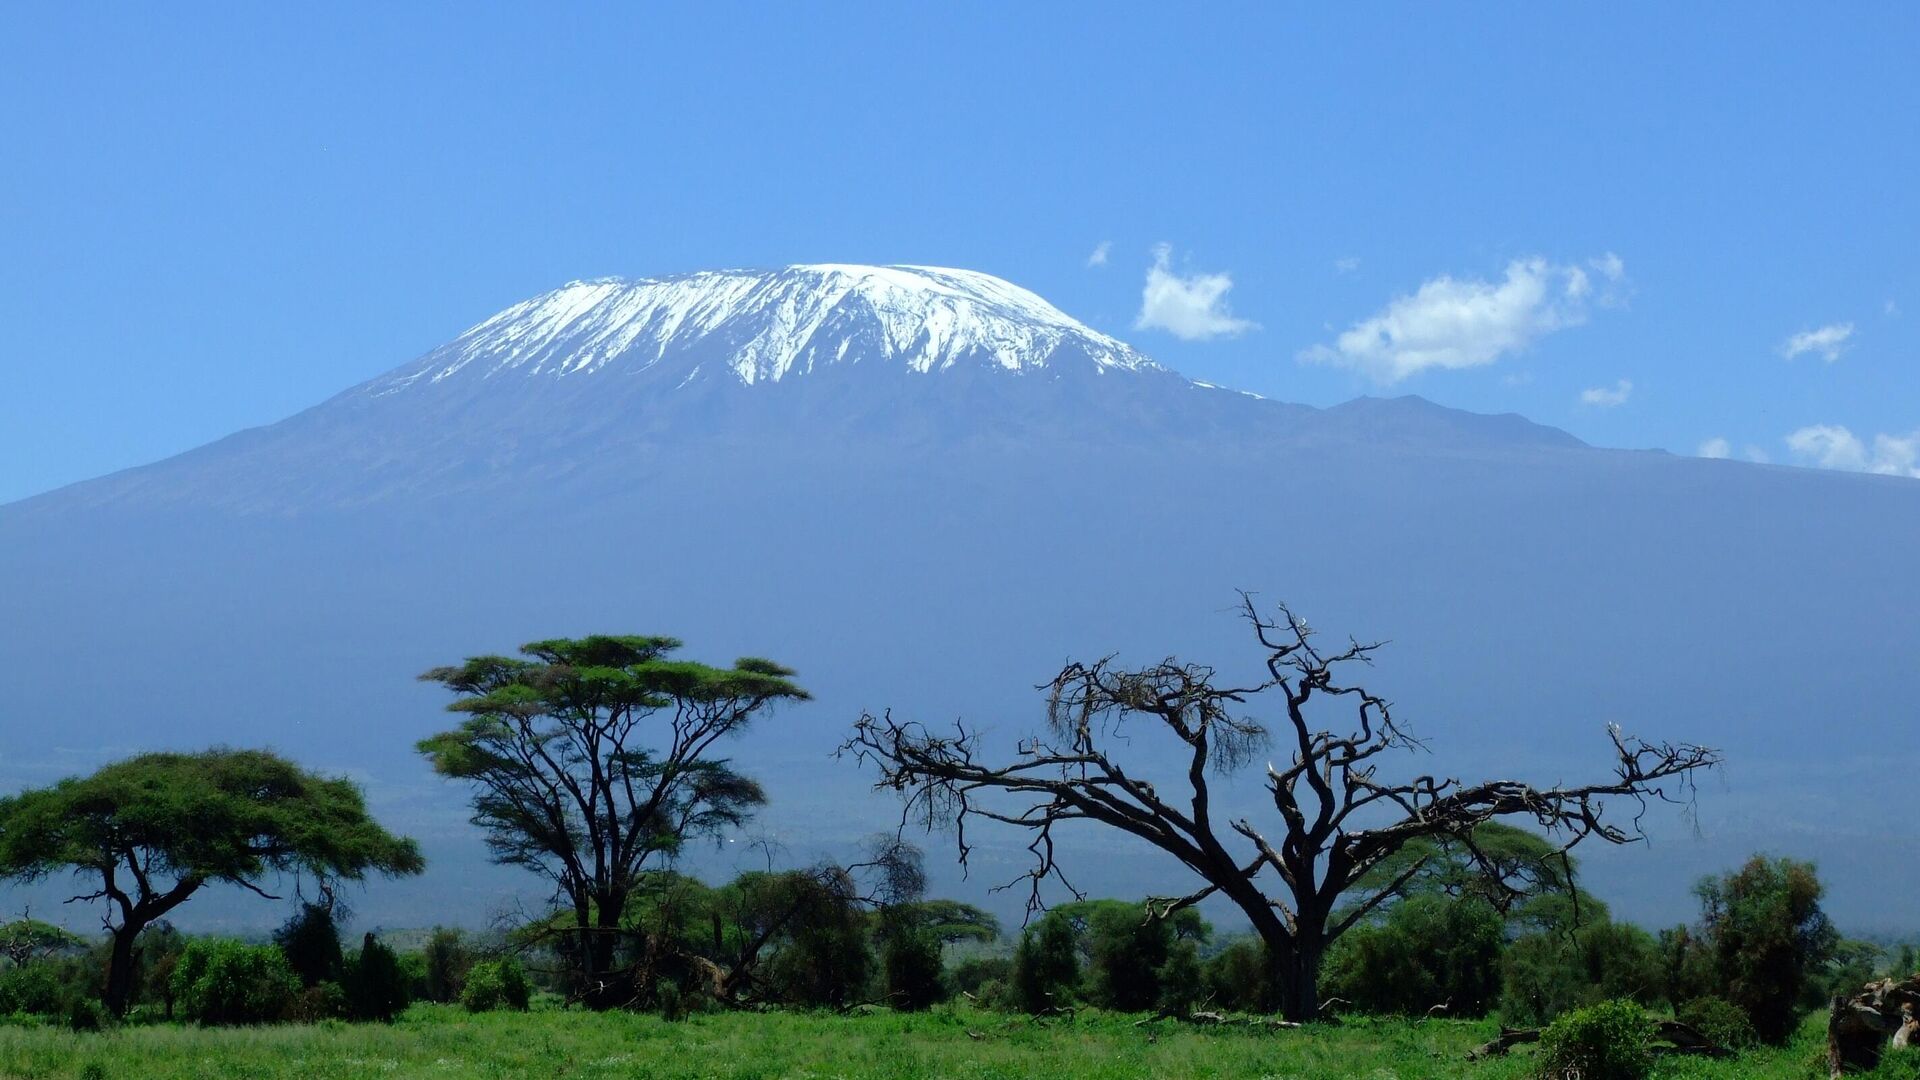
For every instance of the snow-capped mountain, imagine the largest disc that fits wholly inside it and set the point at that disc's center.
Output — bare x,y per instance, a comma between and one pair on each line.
925,489
765,326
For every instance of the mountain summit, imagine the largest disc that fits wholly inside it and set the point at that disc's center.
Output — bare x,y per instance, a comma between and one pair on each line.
765,326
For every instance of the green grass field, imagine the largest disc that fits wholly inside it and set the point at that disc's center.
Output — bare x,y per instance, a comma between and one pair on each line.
443,1041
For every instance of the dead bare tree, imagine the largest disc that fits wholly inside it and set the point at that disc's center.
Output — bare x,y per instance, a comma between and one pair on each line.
1338,818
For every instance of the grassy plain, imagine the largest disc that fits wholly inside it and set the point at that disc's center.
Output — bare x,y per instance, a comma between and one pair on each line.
445,1042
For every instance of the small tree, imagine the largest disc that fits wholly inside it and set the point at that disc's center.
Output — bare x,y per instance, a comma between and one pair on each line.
1768,937
593,761
311,940
1045,968
152,830
1300,881
375,985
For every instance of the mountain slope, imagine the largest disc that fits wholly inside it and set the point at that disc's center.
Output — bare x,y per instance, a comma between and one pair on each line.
936,527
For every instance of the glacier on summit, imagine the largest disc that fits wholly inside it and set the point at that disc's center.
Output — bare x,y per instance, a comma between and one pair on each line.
772,325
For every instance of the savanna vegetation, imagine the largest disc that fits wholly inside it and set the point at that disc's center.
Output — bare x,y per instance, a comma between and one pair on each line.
1382,927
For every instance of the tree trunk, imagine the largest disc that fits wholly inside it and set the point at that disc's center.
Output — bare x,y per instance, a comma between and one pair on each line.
120,963
1296,977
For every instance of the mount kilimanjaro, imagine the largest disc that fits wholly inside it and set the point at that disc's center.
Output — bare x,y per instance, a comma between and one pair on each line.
926,489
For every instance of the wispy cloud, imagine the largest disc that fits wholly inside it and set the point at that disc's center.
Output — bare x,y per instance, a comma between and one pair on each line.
1828,341
1832,446
1608,397
1451,323
1100,252
1716,448
1346,265
1192,307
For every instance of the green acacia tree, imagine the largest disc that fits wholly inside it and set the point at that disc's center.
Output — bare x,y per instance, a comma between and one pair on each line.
593,760
152,830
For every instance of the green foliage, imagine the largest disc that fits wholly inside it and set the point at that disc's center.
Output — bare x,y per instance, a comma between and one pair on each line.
1046,965
32,988
1608,1041
1123,948
311,942
1429,950
1180,981
1520,874
1719,1020
910,960
444,965
221,981
218,815
980,975
1544,975
1768,937
1237,977
496,984
375,986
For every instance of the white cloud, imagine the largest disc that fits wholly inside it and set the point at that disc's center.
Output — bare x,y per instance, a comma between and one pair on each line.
1100,253
1829,341
1832,446
1192,308
1755,454
1607,397
1453,324
1611,266
1891,309
1346,265
1716,448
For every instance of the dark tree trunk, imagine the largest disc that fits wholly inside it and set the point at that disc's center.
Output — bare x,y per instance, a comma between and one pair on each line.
120,963
1296,977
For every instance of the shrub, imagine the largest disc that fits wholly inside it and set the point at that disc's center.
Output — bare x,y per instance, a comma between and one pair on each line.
446,961
1237,977
910,960
1430,950
1719,1020
86,1014
1544,975
219,981
1608,1041
1182,984
376,988
311,943
323,1001
971,976
1045,968
32,988
498,984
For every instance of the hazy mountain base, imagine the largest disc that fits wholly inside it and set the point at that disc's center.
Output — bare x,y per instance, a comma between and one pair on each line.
1534,591
957,1041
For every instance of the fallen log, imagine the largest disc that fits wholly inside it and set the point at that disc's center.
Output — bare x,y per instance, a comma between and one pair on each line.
1509,1038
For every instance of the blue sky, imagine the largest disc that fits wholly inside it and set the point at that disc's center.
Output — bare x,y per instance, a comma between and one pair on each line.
212,218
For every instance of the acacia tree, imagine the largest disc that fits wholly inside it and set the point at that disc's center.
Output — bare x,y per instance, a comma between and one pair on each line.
593,761
154,829
1338,818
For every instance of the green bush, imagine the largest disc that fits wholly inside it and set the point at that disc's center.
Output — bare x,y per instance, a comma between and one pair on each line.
1720,1020
1182,982
1046,968
32,988
1608,1041
1428,951
375,986
1237,977
220,981
911,963
496,984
